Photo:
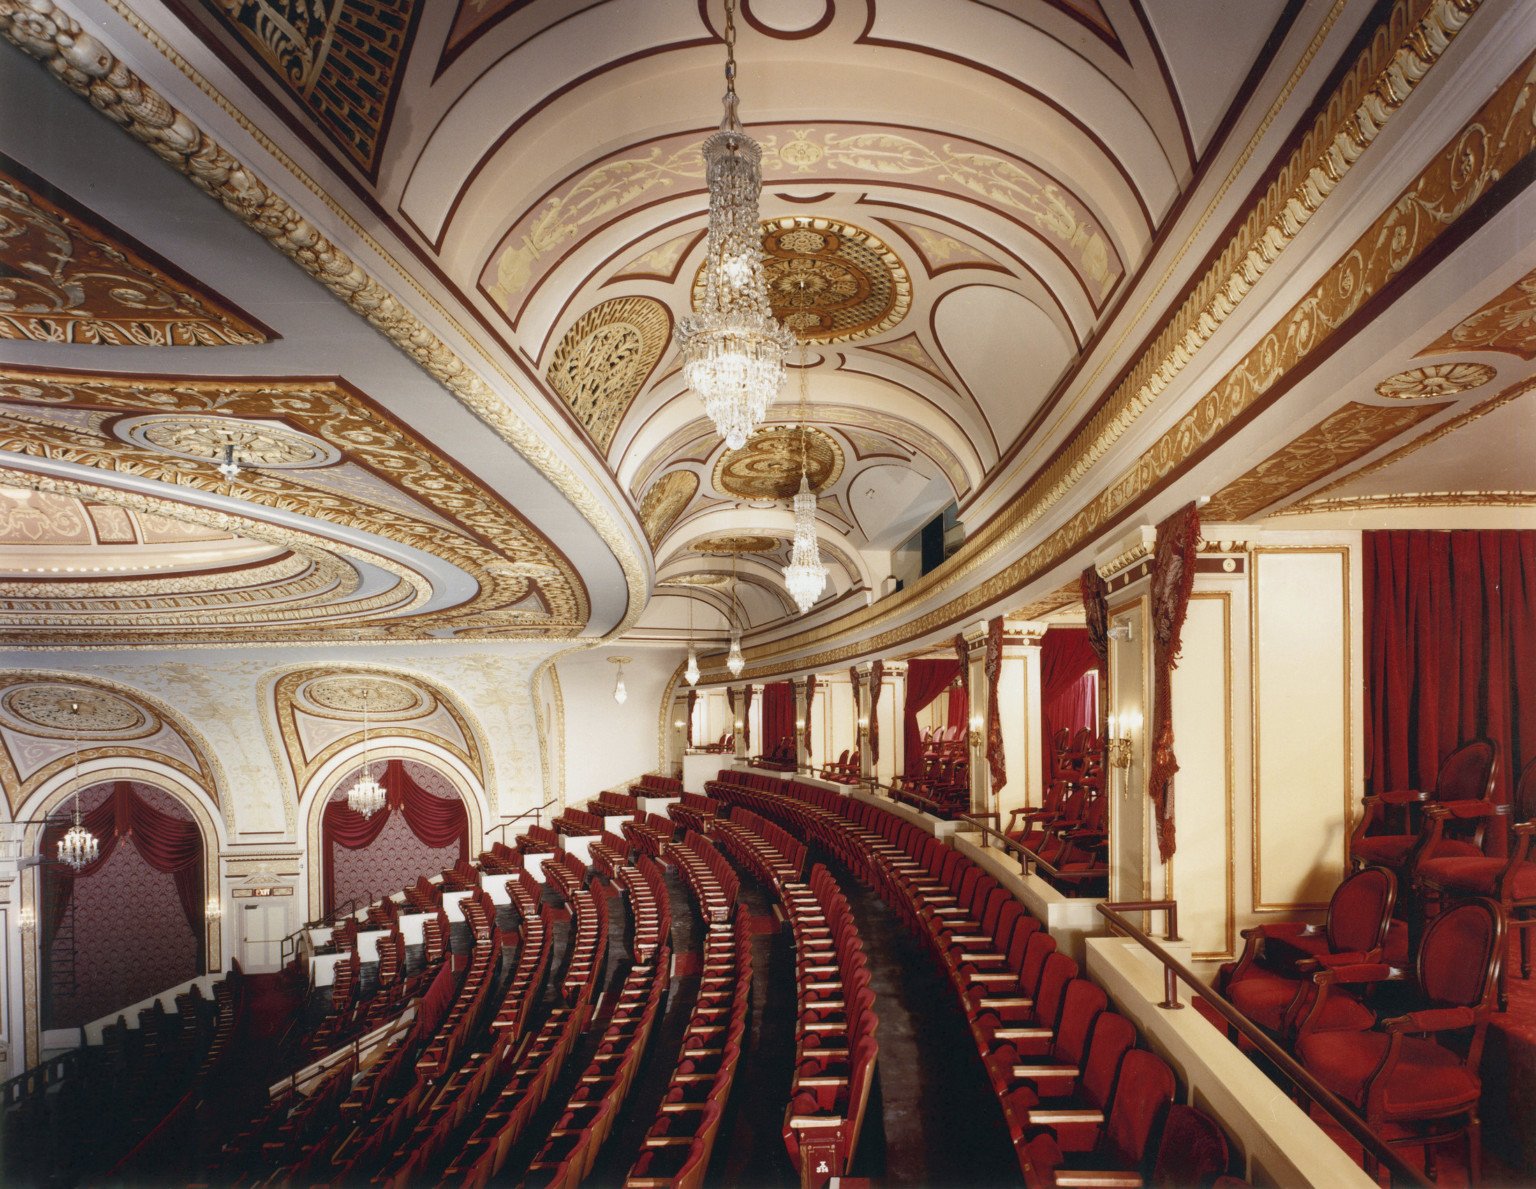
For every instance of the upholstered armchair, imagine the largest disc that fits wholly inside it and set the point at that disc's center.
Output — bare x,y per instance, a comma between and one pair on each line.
1465,776
1271,982
1509,882
1400,1072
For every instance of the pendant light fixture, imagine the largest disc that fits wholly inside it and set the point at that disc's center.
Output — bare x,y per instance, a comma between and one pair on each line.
78,848
733,347
620,694
692,671
805,576
366,796
734,661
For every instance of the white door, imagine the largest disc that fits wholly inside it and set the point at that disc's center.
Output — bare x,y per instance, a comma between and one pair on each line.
263,925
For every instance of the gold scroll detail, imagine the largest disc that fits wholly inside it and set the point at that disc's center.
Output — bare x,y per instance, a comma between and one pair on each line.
1507,323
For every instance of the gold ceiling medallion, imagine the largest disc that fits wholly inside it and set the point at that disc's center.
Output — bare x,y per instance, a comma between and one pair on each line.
255,443
665,501
753,544
1507,324
768,466
349,694
711,578
830,282
47,710
605,359
1441,379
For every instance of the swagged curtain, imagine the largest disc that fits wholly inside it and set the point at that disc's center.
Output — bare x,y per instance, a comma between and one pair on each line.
993,667
1450,620
1095,592
876,676
1068,686
693,699
1173,579
926,680
778,715
168,844
810,697
437,821
746,722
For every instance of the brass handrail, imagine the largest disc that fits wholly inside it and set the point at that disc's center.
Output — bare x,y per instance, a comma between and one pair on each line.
512,821
1026,855
1173,970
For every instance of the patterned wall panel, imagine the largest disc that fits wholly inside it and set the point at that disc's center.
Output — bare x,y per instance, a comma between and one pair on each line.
397,856
603,361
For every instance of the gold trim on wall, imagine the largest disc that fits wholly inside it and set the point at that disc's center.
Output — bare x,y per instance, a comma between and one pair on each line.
1225,597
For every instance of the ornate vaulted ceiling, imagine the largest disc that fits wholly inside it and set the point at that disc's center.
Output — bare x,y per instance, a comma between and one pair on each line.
1065,264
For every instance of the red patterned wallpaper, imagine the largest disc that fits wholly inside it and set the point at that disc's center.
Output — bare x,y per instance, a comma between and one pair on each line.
397,856
132,939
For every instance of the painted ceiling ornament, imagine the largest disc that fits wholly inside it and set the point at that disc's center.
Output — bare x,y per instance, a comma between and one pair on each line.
769,466
665,501
605,359
351,694
257,445
71,710
733,347
744,544
1440,379
832,282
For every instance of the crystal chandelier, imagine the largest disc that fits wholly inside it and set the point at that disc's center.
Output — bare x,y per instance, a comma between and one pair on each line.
366,796
734,661
733,347
692,672
805,576
78,847
620,694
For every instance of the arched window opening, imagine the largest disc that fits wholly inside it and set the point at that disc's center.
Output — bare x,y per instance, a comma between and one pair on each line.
423,828
130,924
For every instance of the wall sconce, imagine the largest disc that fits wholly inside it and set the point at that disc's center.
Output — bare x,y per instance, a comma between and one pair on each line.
27,918
1118,746
976,731
620,694
678,725
863,728
215,908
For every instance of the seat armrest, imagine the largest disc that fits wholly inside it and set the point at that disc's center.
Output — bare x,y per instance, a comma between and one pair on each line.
1363,972
1466,810
1074,1178
1401,797
1432,1020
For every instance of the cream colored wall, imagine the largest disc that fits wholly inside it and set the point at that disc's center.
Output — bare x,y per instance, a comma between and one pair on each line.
837,722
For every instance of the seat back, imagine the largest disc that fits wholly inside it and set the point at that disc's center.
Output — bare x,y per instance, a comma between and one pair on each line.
1192,1151
1523,800
1360,911
1080,1007
1040,946
1058,972
1467,773
1143,1093
1113,1037
1460,955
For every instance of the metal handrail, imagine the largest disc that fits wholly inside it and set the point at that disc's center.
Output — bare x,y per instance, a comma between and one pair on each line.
1174,970
512,821
1026,855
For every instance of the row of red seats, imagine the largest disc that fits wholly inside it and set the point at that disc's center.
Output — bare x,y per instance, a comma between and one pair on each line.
527,981
609,804
589,924
692,812
501,859
566,872
468,1008
713,881
1068,833
1074,1089
463,876
758,844
584,1126
652,834
653,785
578,823
538,840
650,907
680,1141
609,854
835,1045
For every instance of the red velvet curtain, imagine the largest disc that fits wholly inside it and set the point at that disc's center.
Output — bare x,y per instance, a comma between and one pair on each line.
169,844
1069,670
957,712
926,680
437,821
1450,622
778,715
876,678
997,762
1173,578
746,722
810,700
1095,592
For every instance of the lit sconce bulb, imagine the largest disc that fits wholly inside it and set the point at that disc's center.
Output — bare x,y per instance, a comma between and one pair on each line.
27,918
215,908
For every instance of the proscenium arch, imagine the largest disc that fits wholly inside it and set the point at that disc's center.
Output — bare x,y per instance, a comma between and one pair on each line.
53,795
329,776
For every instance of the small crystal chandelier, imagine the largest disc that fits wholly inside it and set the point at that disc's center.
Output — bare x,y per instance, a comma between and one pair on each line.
620,694
78,847
692,671
230,468
805,576
733,347
734,661
366,796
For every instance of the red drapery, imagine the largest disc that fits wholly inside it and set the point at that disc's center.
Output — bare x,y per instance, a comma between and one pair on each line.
926,680
957,710
993,667
810,698
1450,654
1069,670
876,676
1173,578
438,822
746,722
169,844
693,697
1095,592
778,715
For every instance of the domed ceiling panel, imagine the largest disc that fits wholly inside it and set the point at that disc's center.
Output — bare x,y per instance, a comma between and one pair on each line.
605,358
768,466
